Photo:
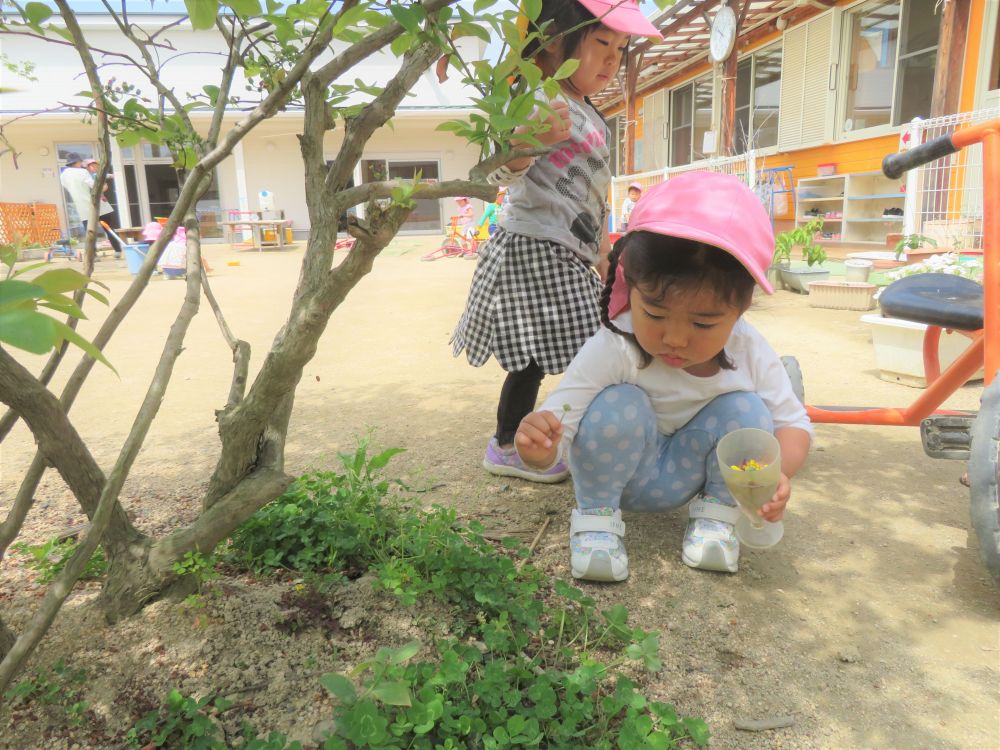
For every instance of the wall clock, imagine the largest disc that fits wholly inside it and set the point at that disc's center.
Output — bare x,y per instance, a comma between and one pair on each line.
723,35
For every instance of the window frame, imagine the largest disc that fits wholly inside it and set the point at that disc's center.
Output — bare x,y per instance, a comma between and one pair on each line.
750,106
841,134
691,85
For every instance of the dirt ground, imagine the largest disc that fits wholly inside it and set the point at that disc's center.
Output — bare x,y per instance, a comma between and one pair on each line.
872,623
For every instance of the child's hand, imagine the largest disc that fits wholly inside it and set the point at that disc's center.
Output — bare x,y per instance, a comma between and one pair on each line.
537,438
558,123
775,509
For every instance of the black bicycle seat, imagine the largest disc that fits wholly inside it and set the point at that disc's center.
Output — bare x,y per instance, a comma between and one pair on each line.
936,299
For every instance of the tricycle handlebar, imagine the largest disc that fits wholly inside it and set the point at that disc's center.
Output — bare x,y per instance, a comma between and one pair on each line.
894,165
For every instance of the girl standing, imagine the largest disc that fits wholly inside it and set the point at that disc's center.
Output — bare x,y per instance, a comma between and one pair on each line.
534,294
673,370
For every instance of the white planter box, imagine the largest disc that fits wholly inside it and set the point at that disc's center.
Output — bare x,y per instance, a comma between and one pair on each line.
842,295
797,279
899,347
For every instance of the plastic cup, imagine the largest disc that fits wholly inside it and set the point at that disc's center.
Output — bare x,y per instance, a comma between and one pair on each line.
754,488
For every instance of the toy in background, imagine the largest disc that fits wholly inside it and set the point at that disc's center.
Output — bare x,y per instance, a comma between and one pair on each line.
634,194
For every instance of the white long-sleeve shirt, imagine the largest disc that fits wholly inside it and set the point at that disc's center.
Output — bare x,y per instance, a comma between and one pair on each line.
677,396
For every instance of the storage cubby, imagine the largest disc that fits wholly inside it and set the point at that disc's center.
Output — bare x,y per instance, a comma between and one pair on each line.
859,208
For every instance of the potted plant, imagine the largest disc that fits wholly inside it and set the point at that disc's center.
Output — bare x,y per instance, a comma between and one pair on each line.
913,244
804,238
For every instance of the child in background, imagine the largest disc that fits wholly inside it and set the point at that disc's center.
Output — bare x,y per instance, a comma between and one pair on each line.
534,295
673,370
634,193
466,217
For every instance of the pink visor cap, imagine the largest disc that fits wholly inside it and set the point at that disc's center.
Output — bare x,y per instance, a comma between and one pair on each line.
623,16
710,207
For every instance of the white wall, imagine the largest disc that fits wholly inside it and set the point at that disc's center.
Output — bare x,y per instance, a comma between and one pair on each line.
195,63
271,157
271,153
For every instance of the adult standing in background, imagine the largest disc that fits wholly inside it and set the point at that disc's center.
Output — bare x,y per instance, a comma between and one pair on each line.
106,210
77,182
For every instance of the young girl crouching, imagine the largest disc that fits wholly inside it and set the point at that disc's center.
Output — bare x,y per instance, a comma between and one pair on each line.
672,370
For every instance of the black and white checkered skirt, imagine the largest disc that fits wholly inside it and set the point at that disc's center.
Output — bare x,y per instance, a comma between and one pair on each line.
530,299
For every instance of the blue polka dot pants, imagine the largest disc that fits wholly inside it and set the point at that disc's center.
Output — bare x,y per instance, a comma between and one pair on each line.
618,459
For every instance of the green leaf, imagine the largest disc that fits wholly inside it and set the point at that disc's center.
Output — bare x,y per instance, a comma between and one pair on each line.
379,461
567,69
29,330
62,304
245,7
128,138
404,653
212,92
14,292
202,13
65,332
340,686
31,267
471,29
393,693
406,17
96,294
698,730
61,280
532,8
400,44
35,13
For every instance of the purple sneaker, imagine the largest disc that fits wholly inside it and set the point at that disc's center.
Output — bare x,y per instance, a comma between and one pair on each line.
505,462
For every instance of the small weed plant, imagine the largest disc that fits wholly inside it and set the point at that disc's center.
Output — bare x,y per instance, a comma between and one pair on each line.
58,685
201,570
186,723
48,559
527,662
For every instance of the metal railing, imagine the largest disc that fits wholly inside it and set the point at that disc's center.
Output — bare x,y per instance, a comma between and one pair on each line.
944,199
743,166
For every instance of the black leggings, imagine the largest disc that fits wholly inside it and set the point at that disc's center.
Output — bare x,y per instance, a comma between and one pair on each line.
111,219
517,400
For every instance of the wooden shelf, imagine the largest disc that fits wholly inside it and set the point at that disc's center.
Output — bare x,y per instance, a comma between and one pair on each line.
881,197
860,198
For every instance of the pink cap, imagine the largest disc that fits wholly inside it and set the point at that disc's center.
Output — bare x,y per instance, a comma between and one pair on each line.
710,207
636,186
88,162
622,15
460,198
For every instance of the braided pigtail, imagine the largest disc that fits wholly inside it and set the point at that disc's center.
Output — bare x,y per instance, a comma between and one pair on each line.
614,258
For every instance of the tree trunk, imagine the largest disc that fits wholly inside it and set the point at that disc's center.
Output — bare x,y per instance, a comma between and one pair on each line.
7,639
140,573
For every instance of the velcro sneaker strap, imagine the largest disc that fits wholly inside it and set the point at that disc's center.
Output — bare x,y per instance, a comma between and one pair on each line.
580,522
715,511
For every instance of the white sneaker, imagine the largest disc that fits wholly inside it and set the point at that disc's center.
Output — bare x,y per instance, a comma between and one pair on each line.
597,552
710,541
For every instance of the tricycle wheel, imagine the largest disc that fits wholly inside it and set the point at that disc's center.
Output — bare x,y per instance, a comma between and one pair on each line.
983,479
795,375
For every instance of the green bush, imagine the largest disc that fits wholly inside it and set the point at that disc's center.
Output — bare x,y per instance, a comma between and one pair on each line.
529,661
326,521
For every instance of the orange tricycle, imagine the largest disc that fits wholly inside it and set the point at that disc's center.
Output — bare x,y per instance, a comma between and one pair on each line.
944,302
